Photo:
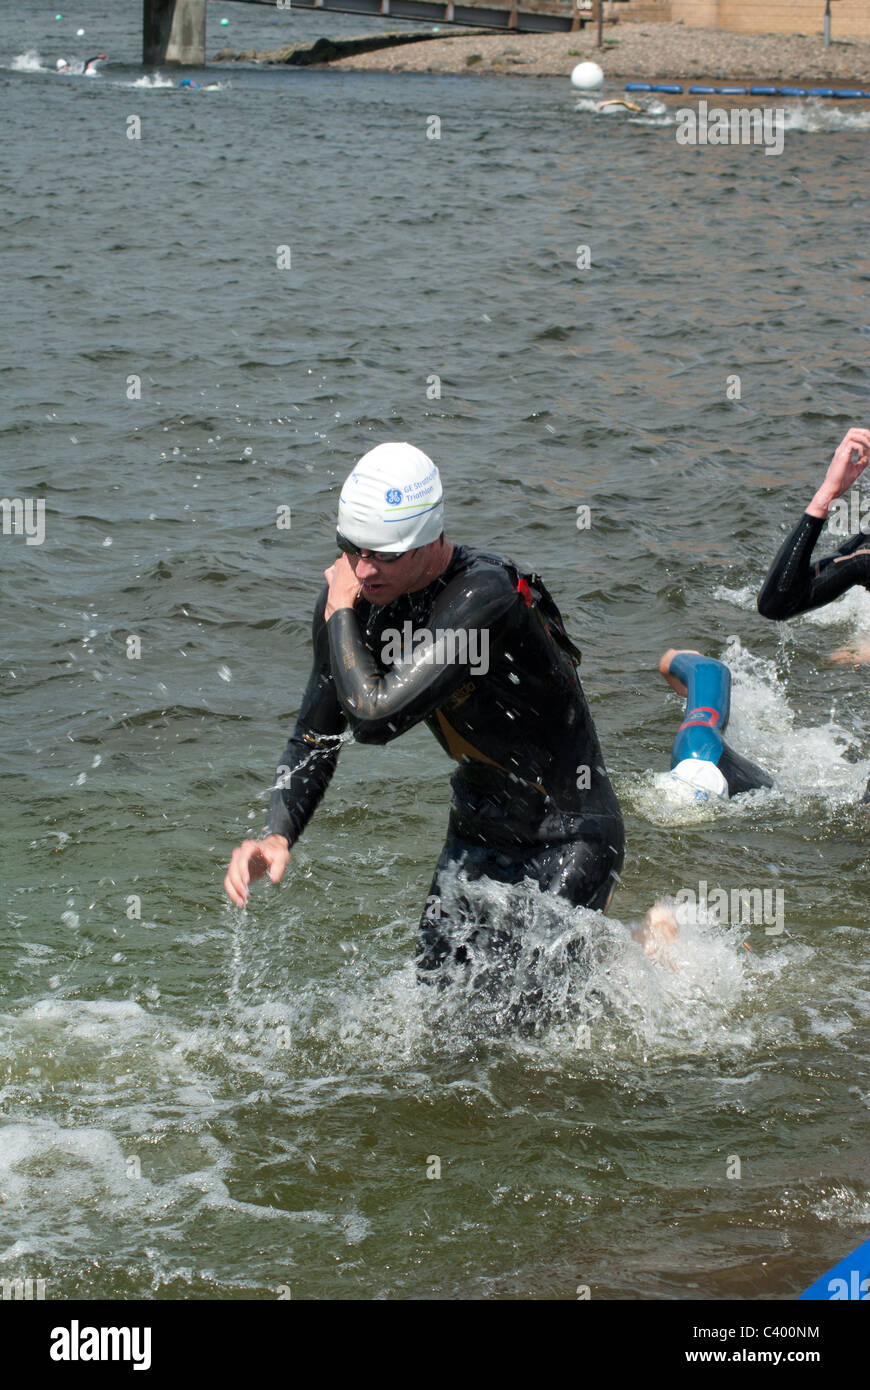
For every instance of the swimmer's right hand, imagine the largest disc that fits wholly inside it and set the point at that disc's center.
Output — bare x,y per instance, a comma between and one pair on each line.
843,470
251,860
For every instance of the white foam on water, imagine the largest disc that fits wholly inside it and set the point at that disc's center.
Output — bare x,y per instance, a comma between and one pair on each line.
810,115
852,608
149,80
824,760
580,983
580,994
363,1025
29,62
843,1204
744,598
817,115
151,1089
71,1187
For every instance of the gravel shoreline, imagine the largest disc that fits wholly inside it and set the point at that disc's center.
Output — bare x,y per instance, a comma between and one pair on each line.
643,51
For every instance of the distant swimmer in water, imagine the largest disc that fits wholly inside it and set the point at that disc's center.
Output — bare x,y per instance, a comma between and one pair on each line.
617,104
647,106
795,583
700,758
64,65
413,629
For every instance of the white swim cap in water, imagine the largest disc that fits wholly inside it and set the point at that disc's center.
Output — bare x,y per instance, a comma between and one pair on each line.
392,500
704,777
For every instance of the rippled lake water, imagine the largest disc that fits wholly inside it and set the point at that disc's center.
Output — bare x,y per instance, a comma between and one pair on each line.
201,1103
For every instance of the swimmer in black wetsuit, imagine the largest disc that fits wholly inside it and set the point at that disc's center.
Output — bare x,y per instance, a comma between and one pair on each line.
500,692
794,584
65,66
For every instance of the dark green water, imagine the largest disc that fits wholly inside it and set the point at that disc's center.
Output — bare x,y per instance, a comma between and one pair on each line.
200,1103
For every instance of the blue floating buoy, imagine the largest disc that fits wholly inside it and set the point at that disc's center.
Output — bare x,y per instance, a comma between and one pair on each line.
848,92
820,92
706,91
668,87
762,91
638,86
731,91
792,92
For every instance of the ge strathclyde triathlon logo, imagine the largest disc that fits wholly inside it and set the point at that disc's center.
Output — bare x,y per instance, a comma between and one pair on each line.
393,496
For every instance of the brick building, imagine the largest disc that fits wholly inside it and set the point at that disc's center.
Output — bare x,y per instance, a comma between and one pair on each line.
850,19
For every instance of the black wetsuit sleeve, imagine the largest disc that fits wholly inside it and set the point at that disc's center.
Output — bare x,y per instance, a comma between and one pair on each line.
312,751
471,614
741,774
795,585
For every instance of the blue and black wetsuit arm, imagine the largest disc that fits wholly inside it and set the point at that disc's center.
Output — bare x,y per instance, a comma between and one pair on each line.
708,707
795,585
474,611
309,759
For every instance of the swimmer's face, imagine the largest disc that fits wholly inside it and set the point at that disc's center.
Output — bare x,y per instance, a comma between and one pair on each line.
384,581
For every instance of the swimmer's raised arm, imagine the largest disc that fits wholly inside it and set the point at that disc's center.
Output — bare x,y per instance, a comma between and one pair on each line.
843,470
796,583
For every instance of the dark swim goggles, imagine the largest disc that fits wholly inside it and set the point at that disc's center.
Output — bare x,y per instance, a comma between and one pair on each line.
382,557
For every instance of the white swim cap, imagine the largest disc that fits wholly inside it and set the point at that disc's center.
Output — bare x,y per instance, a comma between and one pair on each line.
703,776
392,500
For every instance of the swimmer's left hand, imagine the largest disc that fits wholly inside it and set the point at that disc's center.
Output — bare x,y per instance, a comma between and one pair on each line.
344,587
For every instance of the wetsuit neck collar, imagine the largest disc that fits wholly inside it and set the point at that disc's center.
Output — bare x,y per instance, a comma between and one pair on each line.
418,602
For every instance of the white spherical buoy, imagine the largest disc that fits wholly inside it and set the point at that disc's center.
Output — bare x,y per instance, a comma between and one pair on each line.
587,76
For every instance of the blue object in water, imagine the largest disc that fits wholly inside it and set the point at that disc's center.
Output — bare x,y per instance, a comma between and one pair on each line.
707,707
731,91
762,91
638,86
820,92
848,1281
186,82
706,91
668,87
848,92
792,91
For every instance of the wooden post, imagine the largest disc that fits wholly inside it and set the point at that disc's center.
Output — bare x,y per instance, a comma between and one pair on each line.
827,21
173,31
600,40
